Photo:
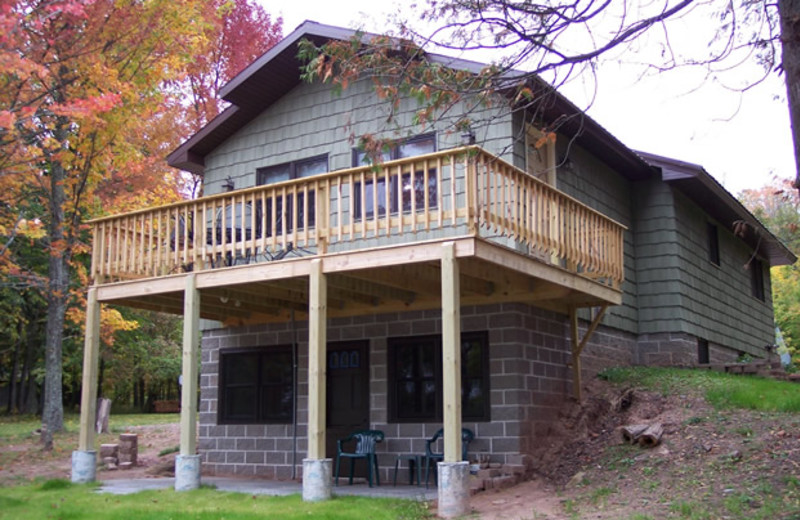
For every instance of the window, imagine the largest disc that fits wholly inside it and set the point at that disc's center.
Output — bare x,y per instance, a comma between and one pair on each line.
702,351
415,378
413,147
256,386
284,172
757,279
713,244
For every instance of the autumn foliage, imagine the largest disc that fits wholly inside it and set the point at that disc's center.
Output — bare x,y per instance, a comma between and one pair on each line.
93,95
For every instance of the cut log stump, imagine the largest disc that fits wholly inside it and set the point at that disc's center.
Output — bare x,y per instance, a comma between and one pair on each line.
631,432
651,436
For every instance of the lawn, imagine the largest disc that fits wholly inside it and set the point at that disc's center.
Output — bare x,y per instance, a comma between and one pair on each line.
723,391
16,427
61,499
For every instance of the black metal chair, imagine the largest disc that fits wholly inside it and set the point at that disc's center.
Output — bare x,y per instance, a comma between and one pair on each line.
434,457
366,441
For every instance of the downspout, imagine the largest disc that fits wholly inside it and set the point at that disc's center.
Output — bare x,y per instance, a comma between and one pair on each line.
294,398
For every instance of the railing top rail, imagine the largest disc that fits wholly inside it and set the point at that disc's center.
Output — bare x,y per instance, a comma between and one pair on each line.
476,150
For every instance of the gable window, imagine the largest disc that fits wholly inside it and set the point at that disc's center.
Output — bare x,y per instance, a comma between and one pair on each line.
757,279
415,378
255,385
713,244
412,147
284,211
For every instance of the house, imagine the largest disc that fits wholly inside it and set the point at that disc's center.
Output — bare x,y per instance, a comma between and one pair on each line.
450,285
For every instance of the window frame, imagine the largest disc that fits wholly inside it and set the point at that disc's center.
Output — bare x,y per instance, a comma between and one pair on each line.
394,153
757,287
712,234
259,415
294,168
435,343
261,173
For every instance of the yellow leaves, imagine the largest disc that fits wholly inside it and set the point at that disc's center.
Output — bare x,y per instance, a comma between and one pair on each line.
33,229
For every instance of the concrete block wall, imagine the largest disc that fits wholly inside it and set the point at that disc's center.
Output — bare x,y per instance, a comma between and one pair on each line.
678,349
531,377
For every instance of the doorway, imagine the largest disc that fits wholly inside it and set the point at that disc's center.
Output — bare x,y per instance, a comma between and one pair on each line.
347,393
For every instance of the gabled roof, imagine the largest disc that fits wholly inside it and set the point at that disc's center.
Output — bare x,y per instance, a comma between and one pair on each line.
277,72
700,187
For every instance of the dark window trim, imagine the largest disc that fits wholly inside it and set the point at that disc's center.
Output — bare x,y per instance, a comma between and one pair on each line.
261,173
713,244
406,178
221,401
483,336
394,151
757,279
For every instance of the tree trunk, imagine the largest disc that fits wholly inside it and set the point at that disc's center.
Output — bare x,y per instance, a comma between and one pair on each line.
789,11
13,384
57,294
27,403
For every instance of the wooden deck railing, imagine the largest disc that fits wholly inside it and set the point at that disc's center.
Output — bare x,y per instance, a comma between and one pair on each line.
454,192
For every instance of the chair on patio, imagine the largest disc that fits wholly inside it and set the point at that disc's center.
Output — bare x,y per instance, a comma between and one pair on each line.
435,457
365,441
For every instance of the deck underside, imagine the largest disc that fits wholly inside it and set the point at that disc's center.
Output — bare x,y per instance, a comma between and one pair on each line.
388,279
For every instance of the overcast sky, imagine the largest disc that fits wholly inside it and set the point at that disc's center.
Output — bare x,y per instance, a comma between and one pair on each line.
743,140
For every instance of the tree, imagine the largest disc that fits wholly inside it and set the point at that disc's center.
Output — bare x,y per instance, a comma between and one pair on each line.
531,42
777,205
238,32
77,76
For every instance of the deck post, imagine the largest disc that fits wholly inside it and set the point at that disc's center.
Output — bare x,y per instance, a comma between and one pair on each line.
453,472
316,467
187,464
84,459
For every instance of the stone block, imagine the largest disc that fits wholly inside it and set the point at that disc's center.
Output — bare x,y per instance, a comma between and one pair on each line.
109,451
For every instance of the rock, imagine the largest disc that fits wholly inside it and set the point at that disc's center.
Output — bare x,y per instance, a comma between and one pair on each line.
126,465
576,479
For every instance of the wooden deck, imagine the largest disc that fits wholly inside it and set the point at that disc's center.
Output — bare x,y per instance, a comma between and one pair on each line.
379,233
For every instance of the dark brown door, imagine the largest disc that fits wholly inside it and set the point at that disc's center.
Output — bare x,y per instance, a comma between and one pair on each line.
347,396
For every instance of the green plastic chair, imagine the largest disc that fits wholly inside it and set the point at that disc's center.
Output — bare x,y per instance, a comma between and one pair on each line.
435,457
365,442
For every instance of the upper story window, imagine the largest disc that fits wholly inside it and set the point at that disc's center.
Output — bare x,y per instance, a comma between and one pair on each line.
294,207
292,170
757,279
713,244
256,385
412,147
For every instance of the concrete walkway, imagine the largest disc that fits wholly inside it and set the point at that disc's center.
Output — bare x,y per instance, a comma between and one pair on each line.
268,487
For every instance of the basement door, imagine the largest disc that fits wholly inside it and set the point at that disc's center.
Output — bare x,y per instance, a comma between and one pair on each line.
347,397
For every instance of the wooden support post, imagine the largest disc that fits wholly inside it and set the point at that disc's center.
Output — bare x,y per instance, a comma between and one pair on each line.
451,353
91,352
191,345
317,338
578,345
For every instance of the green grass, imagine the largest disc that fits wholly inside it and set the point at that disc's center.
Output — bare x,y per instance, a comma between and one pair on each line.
61,499
723,391
16,427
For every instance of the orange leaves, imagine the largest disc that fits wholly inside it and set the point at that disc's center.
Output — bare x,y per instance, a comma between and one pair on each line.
547,137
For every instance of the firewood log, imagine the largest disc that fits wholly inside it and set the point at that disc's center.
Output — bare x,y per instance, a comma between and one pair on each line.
651,436
631,432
